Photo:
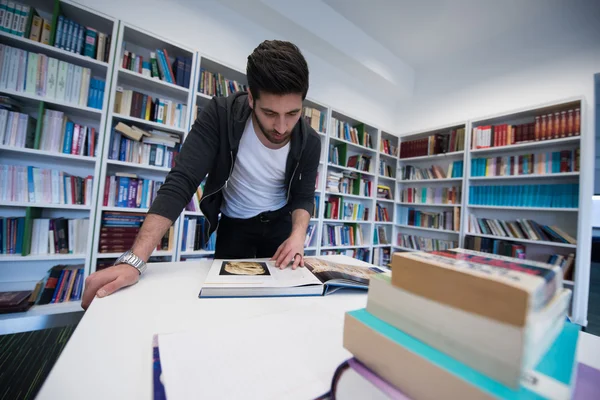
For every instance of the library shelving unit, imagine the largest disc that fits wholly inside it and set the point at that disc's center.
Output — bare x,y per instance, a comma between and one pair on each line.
430,183
22,272
152,104
545,185
385,195
352,159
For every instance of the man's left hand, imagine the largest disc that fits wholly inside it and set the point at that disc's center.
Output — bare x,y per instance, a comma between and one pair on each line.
292,248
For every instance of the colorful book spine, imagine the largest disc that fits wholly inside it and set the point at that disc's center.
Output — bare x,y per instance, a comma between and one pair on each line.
547,196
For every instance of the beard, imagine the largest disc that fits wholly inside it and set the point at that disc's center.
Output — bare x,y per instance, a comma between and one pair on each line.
272,135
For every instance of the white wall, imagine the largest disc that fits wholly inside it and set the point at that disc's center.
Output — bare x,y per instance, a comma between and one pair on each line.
229,38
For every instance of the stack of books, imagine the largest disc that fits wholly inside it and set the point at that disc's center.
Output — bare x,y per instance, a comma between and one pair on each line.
459,324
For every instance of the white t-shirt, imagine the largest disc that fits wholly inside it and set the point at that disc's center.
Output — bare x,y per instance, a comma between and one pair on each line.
257,182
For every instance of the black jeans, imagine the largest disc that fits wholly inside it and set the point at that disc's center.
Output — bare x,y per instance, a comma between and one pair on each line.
256,237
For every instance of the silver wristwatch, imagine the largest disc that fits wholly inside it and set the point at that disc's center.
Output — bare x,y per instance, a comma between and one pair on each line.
129,258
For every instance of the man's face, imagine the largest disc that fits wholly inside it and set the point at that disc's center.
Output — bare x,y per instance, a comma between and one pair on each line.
277,115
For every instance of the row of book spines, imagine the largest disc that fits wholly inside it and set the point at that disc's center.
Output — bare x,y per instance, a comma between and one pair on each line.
215,84
85,40
310,233
24,21
36,185
194,235
547,127
551,196
342,235
115,240
424,243
526,164
382,214
17,233
364,189
386,170
124,191
359,254
434,144
315,118
496,246
347,212
143,106
355,134
380,236
159,66
44,76
432,195
315,212
448,220
63,284
128,150
386,147
520,229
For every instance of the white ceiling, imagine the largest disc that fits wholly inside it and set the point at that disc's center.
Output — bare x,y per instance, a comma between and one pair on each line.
426,32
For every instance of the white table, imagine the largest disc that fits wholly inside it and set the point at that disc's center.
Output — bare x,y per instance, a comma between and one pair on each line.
109,355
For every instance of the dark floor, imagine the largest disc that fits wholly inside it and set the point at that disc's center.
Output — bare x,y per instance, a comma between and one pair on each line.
27,358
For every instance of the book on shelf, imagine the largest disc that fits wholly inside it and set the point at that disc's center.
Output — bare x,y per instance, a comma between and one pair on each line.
348,183
362,254
315,118
431,195
194,235
140,105
62,283
555,162
158,65
511,342
519,229
438,143
315,212
384,192
381,256
83,40
215,84
310,234
118,231
496,246
42,236
43,185
410,172
343,235
37,74
260,277
127,190
548,196
381,214
550,126
194,204
387,147
15,301
135,145
346,211
424,243
380,236
446,220
386,169
355,134
360,162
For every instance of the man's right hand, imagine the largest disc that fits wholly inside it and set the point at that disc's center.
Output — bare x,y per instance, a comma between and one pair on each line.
106,282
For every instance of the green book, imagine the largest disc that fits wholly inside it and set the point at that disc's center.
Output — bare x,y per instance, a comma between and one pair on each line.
39,126
31,213
54,22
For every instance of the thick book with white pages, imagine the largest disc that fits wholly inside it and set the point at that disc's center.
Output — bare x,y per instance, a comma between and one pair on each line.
260,277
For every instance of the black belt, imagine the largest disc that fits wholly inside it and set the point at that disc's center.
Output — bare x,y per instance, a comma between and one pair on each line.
263,217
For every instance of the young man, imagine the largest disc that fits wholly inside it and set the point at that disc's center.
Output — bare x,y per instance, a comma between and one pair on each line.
261,159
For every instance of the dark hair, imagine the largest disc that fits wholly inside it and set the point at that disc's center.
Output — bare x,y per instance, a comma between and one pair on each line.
277,67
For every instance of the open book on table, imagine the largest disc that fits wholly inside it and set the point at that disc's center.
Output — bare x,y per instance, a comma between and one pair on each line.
260,277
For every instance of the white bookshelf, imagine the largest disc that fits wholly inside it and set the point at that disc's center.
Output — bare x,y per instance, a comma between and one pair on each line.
142,43
23,272
574,221
443,160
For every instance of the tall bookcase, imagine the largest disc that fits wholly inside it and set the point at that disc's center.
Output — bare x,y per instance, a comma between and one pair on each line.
426,188
139,42
19,272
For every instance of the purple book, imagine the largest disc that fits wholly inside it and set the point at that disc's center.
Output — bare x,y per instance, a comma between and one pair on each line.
587,385
132,195
158,389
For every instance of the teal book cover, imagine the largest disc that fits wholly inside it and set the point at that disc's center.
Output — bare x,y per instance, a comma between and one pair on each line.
558,363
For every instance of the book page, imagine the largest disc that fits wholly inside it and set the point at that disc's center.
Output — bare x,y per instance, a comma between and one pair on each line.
256,273
328,271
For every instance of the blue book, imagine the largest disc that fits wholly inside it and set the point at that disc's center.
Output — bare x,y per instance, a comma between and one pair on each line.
123,191
554,374
20,232
68,140
184,235
56,290
59,31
